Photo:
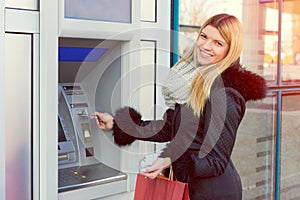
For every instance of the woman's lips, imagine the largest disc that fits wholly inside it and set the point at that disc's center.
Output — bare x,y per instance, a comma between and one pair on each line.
205,54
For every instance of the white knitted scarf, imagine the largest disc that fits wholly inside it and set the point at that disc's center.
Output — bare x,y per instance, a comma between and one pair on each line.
177,86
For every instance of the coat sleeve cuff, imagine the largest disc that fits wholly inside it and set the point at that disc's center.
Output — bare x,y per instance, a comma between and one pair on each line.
121,120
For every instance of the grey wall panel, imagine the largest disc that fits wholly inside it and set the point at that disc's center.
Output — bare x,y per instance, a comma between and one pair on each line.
18,121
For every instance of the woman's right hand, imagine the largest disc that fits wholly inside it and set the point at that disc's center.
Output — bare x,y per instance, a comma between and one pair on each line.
156,168
105,121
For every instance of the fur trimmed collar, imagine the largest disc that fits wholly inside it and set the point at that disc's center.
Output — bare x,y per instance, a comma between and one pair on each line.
249,84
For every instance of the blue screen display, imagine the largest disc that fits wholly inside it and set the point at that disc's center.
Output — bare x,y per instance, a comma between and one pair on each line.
79,54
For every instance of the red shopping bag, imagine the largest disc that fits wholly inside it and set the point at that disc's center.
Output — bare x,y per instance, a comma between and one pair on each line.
160,188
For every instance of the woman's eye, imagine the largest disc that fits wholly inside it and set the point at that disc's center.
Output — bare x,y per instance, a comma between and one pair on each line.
219,44
203,36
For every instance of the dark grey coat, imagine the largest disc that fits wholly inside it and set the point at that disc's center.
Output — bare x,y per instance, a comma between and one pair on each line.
200,147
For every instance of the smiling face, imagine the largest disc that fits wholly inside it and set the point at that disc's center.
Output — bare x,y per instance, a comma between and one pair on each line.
211,46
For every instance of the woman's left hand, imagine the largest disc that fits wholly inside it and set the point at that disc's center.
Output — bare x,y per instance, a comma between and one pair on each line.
156,168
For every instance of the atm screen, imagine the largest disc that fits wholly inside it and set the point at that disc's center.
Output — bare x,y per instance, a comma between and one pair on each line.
61,133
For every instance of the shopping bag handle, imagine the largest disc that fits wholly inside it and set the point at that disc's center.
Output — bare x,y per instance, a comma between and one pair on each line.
171,175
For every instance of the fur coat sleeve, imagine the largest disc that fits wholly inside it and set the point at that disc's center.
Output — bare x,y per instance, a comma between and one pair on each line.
129,126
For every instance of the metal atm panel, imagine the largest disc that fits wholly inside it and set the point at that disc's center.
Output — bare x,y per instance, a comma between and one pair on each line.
18,119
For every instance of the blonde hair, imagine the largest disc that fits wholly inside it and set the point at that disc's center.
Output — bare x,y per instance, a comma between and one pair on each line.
230,29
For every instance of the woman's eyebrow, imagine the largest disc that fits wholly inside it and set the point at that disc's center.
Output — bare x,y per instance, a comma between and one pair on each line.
219,40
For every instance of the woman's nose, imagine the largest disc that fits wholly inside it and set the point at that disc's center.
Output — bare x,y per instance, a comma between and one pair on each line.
207,44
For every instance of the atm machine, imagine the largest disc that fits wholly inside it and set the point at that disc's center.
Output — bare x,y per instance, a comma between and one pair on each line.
89,81
106,60
78,144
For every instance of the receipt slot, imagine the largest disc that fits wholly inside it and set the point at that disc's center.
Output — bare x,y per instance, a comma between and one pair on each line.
88,161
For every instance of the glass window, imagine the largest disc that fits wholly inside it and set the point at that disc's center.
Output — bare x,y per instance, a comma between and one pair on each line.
254,150
290,143
290,53
268,30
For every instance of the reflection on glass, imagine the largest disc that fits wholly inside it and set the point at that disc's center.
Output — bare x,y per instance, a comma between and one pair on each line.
290,143
254,149
290,54
269,33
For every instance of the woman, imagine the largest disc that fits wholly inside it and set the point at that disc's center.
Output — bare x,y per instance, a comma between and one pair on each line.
207,91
